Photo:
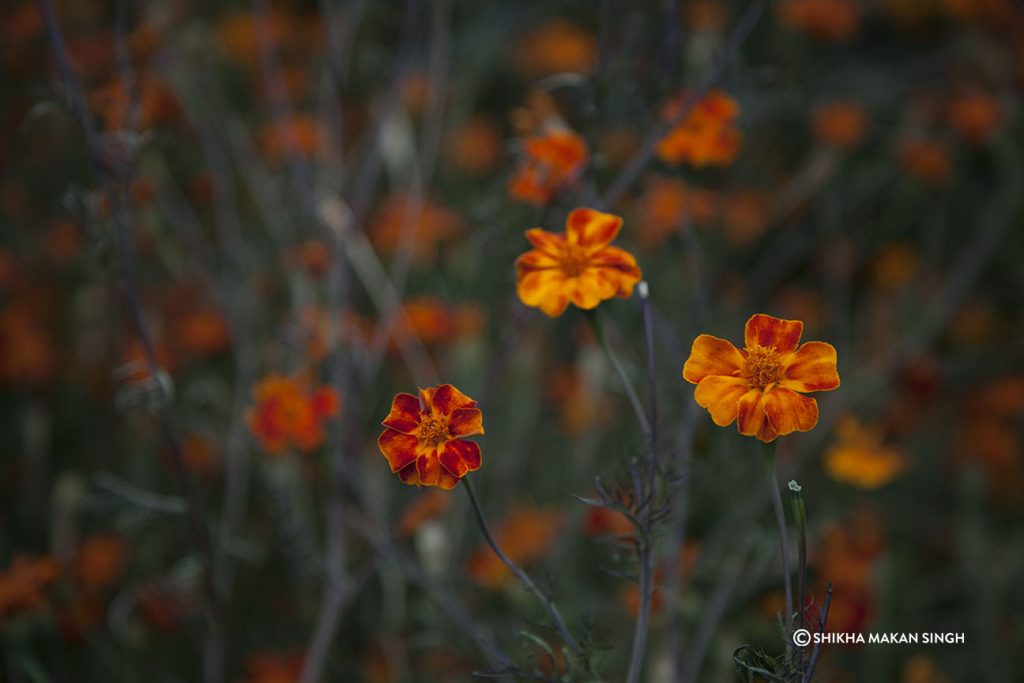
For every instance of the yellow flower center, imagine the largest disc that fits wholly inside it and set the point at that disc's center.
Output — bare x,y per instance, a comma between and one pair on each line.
574,260
763,366
434,430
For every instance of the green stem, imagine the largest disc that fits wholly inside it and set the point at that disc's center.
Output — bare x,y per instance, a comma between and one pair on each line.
780,518
595,321
796,500
545,600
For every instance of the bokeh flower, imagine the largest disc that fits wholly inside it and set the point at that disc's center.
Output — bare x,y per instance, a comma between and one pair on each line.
290,412
707,135
577,266
524,536
762,385
840,124
860,457
422,440
550,161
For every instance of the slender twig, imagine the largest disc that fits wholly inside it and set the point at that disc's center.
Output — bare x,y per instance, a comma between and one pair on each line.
821,629
595,321
780,518
545,600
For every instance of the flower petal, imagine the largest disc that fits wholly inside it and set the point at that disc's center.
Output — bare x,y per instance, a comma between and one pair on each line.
619,267
750,418
409,474
429,468
447,399
547,242
712,356
588,290
405,414
535,259
539,287
460,457
466,422
720,395
590,228
811,368
398,448
765,330
789,412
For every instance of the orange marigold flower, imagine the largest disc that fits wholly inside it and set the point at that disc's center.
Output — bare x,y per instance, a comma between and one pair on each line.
860,458
927,161
577,266
707,136
524,536
475,147
831,21
423,440
421,510
556,47
761,386
550,162
100,561
975,116
289,412
422,224
840,124
24,583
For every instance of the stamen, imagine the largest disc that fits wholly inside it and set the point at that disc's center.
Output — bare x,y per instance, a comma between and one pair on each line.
763,366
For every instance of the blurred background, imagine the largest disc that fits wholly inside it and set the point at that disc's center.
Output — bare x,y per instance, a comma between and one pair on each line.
220,218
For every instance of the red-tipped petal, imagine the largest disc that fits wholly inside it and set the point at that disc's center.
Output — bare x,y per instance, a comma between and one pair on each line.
405,414
765,330
398,448
788,411
591,228
447,399
466,422
460,457
811,368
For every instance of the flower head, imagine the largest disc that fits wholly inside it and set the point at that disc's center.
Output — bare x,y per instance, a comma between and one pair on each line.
577,266
860,457
422,437
288,411
762,385
550,161
707,136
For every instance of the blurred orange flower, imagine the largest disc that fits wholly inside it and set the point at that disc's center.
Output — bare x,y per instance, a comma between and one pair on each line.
558,46
422,437
761,386
524,536
100,561
860,458
272,667
707,136
27,353
475,147
926,160
288,412
550,161
577,266
302,135
830,21
975,115
422,509
423,224
433,322
151,104
840,124
24,583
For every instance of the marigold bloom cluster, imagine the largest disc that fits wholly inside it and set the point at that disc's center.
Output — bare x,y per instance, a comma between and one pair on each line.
577,266
550,162
707,135
860,458
288,412
761,386
423,437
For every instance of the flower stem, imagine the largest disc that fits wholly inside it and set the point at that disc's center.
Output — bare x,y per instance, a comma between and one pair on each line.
780,518
595,321
545,600
800,515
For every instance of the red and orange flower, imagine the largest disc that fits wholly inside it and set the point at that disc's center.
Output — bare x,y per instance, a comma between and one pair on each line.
550,162
762,385
578,266
422,439
289,412
707,135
